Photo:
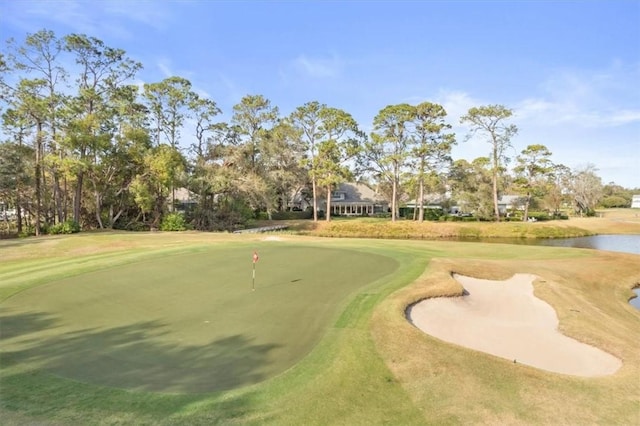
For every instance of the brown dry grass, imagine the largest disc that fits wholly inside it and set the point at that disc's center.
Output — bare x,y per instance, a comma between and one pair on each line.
455,385
614,221
611,221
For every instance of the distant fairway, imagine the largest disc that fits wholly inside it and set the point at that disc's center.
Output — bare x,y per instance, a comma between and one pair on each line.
188,322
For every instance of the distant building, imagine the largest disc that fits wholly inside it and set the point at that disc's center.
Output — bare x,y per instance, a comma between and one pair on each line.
510,202
184,200
355,199
635,202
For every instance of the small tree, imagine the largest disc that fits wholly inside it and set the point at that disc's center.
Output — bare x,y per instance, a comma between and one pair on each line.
431,146
386,153
533,167
559,187
490,121
586,189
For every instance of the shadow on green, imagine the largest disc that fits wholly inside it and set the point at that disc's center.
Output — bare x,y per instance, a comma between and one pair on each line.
187,323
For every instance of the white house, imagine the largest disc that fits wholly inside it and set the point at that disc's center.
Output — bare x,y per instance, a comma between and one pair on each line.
354,199
635,202
510,202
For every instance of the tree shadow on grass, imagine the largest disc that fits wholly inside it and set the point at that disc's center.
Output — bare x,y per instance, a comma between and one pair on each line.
134,356
14,325
35,397
119,360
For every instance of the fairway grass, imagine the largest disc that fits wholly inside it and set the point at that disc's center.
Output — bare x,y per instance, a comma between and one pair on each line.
364,363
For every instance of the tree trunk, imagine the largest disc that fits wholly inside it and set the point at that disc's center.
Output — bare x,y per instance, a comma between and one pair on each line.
393,200
18,211
327,214
421,196
77,199
57,197
525,217
98,209
496,209
65,199
495,179
315,198
38,175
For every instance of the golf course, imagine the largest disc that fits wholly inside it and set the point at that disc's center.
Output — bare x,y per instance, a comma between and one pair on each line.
165,328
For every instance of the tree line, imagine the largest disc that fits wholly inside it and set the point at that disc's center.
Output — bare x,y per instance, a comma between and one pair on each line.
83,144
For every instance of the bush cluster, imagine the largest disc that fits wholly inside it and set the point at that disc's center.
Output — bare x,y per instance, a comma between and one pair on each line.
69,226
292,215
173,222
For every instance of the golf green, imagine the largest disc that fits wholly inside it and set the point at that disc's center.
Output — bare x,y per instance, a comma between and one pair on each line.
188,322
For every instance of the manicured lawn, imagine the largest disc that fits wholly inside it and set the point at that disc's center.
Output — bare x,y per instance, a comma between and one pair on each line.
111,328
187,322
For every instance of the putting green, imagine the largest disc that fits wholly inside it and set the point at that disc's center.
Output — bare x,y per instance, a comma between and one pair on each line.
187,322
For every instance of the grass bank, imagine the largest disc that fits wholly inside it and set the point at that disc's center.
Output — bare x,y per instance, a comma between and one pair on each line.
612,221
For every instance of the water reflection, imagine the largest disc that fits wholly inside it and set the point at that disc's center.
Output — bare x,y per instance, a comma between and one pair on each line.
619,243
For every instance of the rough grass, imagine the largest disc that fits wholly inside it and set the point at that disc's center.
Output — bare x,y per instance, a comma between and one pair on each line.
614,221
383,228
455,385
371,367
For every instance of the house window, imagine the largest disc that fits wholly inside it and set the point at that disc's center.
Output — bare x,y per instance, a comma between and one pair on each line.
337,195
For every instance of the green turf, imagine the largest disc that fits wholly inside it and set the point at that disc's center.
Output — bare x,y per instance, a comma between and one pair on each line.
369,367
187,322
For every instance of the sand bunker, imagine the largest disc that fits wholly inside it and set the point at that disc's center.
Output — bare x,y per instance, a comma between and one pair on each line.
505,319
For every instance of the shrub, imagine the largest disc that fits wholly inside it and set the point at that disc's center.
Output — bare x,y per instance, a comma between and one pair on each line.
136,226
613,201
433,214
540,216
262,216
292,215
67,227
173,222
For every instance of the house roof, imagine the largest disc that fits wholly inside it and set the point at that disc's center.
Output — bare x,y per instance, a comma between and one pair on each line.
356,192
509,199
184,195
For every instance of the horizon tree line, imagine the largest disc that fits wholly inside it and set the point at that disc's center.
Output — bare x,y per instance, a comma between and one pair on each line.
83,143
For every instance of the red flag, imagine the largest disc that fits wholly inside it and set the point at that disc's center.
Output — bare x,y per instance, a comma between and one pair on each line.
255,256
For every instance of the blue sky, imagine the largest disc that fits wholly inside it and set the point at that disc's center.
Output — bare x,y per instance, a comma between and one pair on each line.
570,70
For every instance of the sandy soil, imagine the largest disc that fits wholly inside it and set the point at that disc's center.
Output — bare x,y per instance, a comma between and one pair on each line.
505,319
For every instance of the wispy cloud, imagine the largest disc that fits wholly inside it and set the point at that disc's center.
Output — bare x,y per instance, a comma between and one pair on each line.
319,67
596,99
107,18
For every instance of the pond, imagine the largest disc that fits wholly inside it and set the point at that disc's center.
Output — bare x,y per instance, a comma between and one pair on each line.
635,302
619,243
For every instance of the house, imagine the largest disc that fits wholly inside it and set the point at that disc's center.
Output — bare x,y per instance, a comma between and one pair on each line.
354,199
434,201
183,200
635,202
430,201
510,202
